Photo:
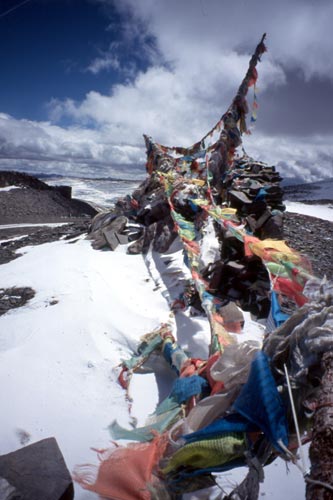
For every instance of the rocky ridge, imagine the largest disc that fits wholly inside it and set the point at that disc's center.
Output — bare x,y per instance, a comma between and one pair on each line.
34,201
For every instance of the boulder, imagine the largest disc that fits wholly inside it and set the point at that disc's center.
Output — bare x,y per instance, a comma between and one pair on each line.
36,472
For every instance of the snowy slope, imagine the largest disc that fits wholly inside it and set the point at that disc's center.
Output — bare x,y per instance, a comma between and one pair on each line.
58,363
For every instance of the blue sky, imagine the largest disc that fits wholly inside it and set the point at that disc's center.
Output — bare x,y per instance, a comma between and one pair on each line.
46,48
81,81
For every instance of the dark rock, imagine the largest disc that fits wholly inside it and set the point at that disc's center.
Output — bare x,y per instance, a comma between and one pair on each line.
111,237
37,472
34,201
118,224
137,246
101,220
65,191
112,229
98,239
132,232
273,227
12,178
11,298
123,239
164,235
154,212
237,199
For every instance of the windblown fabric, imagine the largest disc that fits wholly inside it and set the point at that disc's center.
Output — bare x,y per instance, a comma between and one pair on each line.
124,473
160,423
230,423
208,453
260,403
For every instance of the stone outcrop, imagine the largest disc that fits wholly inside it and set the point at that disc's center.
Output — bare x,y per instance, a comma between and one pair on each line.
11,298
33,201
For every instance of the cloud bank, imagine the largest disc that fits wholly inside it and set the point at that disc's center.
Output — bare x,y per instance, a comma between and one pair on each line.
181,64
47,148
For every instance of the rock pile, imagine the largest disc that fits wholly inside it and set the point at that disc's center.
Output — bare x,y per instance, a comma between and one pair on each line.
138,219
253,188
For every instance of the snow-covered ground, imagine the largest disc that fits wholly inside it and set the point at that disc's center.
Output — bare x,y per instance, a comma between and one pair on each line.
321,211
59,353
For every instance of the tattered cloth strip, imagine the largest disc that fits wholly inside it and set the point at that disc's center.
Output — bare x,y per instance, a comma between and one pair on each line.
149,343
208,453
288,270
189,384
276,317
162,422
260,403
124,473
303,338
286,267
231,423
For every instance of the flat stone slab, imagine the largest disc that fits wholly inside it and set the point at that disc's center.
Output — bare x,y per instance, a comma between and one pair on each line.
37,472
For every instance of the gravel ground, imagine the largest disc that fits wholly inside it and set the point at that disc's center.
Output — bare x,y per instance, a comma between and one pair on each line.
29,205
313,238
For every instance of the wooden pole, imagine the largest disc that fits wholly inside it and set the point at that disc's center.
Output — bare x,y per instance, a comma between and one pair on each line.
320,481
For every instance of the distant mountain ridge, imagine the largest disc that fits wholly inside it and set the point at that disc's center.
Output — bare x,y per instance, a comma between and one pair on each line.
315,191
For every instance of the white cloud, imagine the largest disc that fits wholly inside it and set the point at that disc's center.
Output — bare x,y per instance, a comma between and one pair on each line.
41,146
204,48
196,54
305,158
104,62
175,105
297,31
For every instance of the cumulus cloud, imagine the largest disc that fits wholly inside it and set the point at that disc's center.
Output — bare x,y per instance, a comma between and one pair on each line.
307,159
66,151
107,60
201,49
182,63
297,30
175,105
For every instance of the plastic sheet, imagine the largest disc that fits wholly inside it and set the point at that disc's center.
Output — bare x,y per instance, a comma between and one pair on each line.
210,408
